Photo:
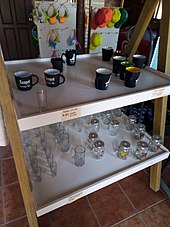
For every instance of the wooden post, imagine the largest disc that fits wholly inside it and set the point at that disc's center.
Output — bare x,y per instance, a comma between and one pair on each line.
141,26
160,104
15,141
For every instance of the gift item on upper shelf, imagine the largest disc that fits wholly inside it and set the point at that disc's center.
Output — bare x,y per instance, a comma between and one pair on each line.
24,80
53,77
131,76
70,56
42,99
107,53
103,77
57,63
116,63
139,60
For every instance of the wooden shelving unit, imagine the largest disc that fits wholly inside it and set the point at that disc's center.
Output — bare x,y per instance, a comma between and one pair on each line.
17,120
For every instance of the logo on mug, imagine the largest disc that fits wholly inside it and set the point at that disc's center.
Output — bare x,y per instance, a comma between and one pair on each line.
24,80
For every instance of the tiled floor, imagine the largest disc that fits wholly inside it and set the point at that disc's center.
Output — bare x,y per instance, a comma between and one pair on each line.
126,203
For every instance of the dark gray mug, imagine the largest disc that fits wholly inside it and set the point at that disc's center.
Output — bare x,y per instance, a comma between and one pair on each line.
103,76
24,80
53,77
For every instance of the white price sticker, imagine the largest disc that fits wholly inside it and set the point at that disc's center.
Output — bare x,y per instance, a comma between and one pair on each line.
158,93
75,197
70,114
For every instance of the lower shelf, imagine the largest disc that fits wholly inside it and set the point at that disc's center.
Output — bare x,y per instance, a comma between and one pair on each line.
72,182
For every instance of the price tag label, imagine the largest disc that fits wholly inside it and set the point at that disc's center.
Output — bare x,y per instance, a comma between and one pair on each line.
70,114
75,197
158,93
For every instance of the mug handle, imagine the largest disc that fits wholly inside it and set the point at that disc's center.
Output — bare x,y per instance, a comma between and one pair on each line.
37,79
116,70
63,54
63,79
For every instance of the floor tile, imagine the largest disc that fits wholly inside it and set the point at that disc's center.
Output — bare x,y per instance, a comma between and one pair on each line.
76,214
13,203
110,205
19,223
158,216
9,171
134,221
137,189
1,208
44,221
6,152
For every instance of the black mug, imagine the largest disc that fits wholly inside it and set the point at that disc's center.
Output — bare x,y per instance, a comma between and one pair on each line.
139,60
57,63
107,53
103,76
132,76
70,55
24,80
53,77
116,64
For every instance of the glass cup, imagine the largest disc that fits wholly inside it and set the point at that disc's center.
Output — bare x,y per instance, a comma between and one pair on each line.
53,168
141,150
79,155
139,131
64,142
123,149
106,118
98,149
42,99
92,137
94,125
130,122
155,143
113,127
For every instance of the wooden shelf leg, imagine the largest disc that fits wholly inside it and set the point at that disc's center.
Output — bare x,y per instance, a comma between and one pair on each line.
158,128
15,141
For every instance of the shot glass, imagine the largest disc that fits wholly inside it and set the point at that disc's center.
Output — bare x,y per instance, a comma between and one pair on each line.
42,99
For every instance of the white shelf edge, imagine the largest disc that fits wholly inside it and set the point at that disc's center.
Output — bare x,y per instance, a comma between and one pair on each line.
103,183
94,107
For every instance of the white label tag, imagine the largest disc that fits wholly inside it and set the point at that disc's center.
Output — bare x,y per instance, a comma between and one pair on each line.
158,93
70,114
75,197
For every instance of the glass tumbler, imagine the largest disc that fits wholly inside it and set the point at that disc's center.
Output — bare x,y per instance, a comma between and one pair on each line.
141,150
64,142
98,149
113,127
123,149
79,155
